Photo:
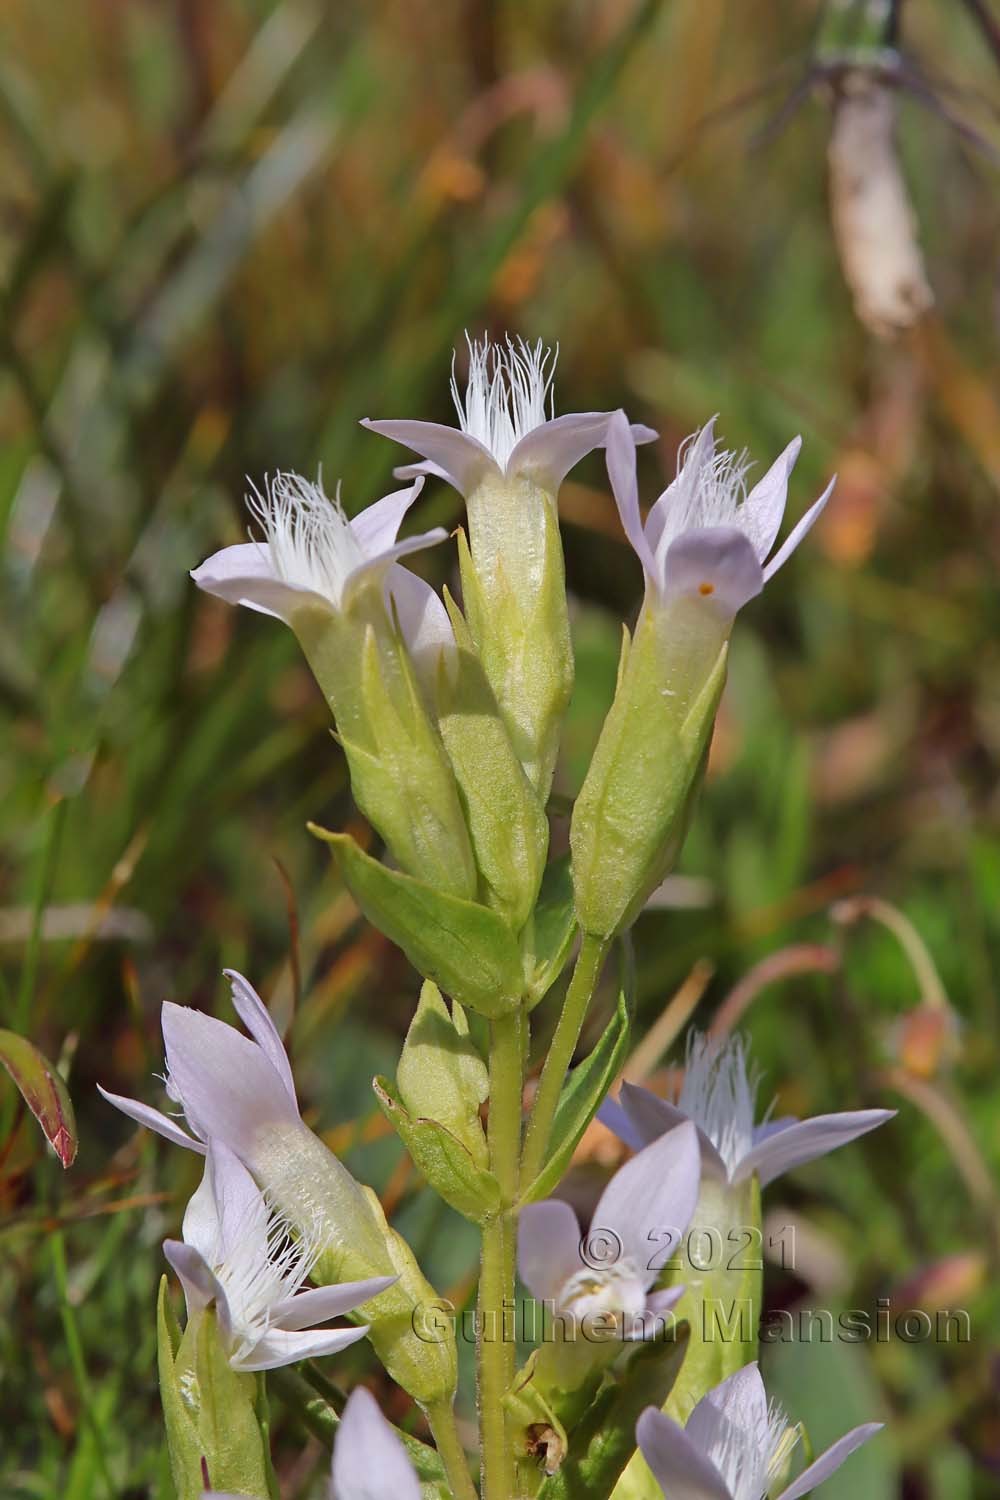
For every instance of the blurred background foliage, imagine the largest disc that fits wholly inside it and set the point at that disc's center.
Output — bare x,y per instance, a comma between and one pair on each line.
228,232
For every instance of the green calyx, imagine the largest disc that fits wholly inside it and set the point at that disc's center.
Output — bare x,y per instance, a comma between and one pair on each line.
632,813
514,592
505,818
400,775
211,1412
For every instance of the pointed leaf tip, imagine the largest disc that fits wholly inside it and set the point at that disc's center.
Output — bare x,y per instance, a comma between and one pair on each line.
43,1091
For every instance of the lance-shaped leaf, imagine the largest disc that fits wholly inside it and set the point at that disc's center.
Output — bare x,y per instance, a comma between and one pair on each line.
43,1091
554,928
580,1100
466,949
604,1440
442,1158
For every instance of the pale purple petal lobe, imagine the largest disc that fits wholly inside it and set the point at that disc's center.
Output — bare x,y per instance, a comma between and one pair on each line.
377,526
319,1304
717,564
557,446
764,507
830,1461
244,574
369,1461
153,1119
799,532
277,1348
650,1117
462,457
375,567
668,513
620,455
422,617
228,1087
805,1140
427,469
200,1227
680,1468
740,1401
242,1212
548,1247
612,1115
200,1285
650,1196
257,1019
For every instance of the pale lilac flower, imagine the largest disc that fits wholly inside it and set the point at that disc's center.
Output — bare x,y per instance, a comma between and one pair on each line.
735,1446
718,1094
640,1218
707,536
506,423
240,1092
312,556
241,1254
369,1461
225,1084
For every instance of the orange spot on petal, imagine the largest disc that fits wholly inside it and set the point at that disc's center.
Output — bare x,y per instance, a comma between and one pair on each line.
706,588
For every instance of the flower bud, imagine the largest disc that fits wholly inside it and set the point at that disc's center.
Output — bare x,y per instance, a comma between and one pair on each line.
441,1075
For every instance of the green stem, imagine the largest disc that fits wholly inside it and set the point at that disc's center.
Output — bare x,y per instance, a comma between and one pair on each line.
581,987
74,1345
444,1429
494,1333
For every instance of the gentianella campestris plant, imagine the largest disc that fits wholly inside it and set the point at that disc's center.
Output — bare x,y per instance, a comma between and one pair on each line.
450,714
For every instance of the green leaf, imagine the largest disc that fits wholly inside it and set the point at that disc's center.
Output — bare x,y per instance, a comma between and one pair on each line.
43,1091
466,949
442,1158
554,927
183,1443
604,1440
581,1098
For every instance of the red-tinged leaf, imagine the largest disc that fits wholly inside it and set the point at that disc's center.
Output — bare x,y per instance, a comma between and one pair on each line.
43,1091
